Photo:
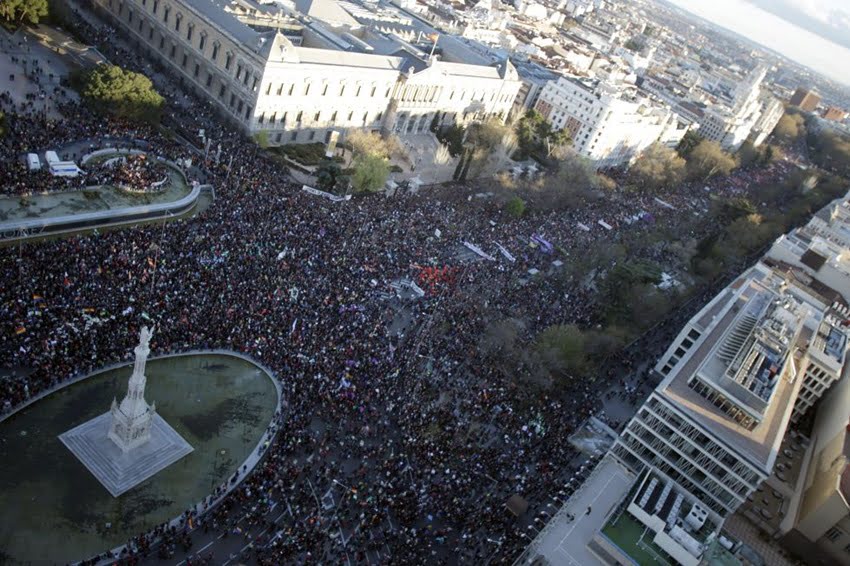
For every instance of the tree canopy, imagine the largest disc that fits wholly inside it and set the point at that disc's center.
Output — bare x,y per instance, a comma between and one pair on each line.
370,143
657,167
123,93
370,173
790,127
23,11
708,159
689,141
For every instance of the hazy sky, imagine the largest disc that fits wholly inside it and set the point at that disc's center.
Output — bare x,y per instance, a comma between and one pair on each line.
769,22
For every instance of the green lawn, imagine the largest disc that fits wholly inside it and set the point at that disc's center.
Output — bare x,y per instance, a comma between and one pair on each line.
625,532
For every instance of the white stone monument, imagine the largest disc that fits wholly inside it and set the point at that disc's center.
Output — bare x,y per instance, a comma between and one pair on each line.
131,420
130,443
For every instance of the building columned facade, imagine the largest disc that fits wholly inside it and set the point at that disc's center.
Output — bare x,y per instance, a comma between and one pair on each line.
300,89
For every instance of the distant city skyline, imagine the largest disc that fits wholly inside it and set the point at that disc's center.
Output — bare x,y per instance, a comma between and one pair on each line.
801,31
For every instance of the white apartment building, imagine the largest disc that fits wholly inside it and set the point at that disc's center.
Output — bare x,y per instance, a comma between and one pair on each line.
715,423
609,123
751,114
334,81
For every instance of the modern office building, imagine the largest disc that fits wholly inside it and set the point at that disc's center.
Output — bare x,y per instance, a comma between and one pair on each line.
730,379
297,75
805,99
610,123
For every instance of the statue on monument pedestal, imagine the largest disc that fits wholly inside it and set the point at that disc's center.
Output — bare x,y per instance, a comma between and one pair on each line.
132,418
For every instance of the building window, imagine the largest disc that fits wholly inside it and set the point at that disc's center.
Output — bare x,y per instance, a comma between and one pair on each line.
350,116
833,534
165,14
277,138
197,70
387,95
283,118
185,60
342,90
173,51
248,111
150,34
333,117
312,136
379,116
365,117
291,89
238,72
307,89
190,29
228,61
240,106
254,84
280,90
325,90
215,51
209,79
358,90
273,118
221,90
202,42
269,89
317,116
294,136
372,94
261,118
298,117
129,16
232,100
177,21
161,42
155,6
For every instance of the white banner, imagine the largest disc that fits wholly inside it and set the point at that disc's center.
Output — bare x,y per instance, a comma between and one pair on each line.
329,196
479,251
505,253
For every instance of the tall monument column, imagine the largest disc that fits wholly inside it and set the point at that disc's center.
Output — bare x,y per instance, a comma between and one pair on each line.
131,420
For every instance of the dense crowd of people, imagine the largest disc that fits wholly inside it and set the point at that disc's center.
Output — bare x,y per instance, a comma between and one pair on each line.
390,404
135,172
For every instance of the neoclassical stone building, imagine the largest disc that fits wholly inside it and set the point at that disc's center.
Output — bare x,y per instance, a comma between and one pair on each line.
298,79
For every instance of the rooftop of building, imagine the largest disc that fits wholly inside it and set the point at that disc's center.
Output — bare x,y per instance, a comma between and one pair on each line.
748,351
564,540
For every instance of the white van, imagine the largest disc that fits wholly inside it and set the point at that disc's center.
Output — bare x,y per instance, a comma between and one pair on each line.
65,169
51,157
33,162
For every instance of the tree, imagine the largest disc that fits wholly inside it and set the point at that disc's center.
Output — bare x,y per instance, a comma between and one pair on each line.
452,137
123,93
657,167
708,159
370,143
262,139
328,175
789,128
515,207
486,135
557,143
561,349
370,173
23,11
689,141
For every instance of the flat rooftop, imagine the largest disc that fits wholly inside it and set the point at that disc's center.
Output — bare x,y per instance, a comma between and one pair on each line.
759,445
564,542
